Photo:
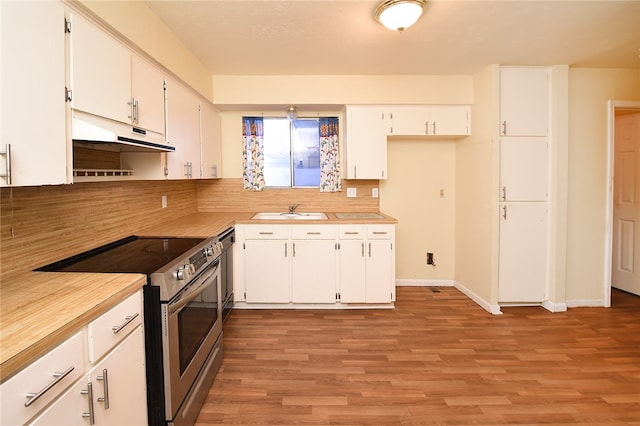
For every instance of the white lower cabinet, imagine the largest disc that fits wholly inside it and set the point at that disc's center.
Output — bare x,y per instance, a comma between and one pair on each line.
316,264
112,393
313,265
367,263
65,387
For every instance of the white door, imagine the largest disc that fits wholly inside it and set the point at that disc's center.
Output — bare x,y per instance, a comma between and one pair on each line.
147,88
379,271
183,132
626,210
522,269
524,169
366,143
352,271
267,271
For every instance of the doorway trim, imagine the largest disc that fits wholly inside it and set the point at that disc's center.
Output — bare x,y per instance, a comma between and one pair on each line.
608,248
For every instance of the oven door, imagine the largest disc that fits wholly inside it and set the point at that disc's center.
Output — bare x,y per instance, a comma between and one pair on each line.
192,324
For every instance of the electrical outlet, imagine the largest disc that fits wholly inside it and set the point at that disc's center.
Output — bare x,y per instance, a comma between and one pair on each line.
352,192
164,201
374,192
430,260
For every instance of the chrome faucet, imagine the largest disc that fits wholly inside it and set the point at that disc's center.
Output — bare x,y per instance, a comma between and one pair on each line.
293,207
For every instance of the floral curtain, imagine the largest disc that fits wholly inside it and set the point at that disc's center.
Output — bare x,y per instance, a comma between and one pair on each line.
329,155
253,153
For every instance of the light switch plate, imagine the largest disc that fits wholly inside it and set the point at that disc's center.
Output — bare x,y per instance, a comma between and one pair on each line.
352,192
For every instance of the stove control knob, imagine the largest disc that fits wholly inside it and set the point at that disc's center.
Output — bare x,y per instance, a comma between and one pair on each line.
209,251
180,274
185,271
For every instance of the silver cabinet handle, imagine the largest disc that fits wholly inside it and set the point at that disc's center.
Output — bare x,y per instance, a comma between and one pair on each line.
351,233
504,127
285,249
33,397
362,249
7,154
379,232
105,386
369,249
89,393
136,112
504,193
132,112
294,249
504,212
434,127
426,127
314,233
116,328
265,233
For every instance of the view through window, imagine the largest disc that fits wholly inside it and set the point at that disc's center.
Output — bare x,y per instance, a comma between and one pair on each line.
291,152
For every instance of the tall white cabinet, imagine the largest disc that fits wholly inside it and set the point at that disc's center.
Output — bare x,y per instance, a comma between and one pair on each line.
524,184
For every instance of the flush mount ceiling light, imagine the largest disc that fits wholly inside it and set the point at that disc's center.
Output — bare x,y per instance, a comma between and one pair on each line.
399,15
292,114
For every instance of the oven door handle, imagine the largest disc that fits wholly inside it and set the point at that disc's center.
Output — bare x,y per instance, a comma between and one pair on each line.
192,293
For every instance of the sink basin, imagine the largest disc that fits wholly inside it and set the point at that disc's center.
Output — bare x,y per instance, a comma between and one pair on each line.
290,216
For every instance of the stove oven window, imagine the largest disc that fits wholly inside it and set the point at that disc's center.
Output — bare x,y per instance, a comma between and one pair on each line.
195,321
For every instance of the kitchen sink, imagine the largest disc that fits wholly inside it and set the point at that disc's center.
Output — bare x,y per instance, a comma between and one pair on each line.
289,216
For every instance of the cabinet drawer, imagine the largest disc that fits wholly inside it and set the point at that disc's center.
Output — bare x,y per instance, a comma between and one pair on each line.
379,232
313,232
113,326
49,376
351,232
273,232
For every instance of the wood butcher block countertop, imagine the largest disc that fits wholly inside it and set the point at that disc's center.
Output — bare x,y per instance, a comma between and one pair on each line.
39,310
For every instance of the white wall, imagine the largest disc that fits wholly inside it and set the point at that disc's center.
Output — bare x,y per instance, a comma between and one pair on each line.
589,91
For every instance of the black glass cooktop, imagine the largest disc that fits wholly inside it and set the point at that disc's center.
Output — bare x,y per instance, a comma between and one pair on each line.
142,255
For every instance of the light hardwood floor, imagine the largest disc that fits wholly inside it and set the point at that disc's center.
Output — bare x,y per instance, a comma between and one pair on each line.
437,358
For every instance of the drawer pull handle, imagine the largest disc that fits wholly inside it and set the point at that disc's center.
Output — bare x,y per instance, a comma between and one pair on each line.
89,393
265,233
116,328
313,233
351,233
105,387
33,397
379,233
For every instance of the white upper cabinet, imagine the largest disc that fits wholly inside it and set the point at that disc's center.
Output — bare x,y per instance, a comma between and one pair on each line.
33,102
524,101
210,139
183,132
430,120
147,91
100,72
366,142
110,81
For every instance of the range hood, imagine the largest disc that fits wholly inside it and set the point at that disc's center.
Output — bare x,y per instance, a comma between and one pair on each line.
89,128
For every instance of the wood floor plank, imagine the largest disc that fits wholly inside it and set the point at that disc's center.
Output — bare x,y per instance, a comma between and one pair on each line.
437,358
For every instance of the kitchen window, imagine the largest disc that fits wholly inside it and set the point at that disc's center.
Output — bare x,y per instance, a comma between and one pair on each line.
283,153
291,152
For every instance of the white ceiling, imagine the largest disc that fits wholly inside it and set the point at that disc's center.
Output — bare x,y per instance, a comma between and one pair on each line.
298,37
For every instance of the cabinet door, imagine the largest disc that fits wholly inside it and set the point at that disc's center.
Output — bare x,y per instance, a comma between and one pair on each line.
379,271
313,271
32,86
522,270
100,72
72,408
352,271
125,384
410,120
183,131
524,101
147,89
267,271
211,146
524,169
450,120
366,143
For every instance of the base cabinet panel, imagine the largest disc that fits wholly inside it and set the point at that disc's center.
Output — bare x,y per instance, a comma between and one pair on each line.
267,271
313,269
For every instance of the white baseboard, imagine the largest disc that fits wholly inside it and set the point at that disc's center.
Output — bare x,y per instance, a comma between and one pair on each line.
492,309
554,307
425,283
